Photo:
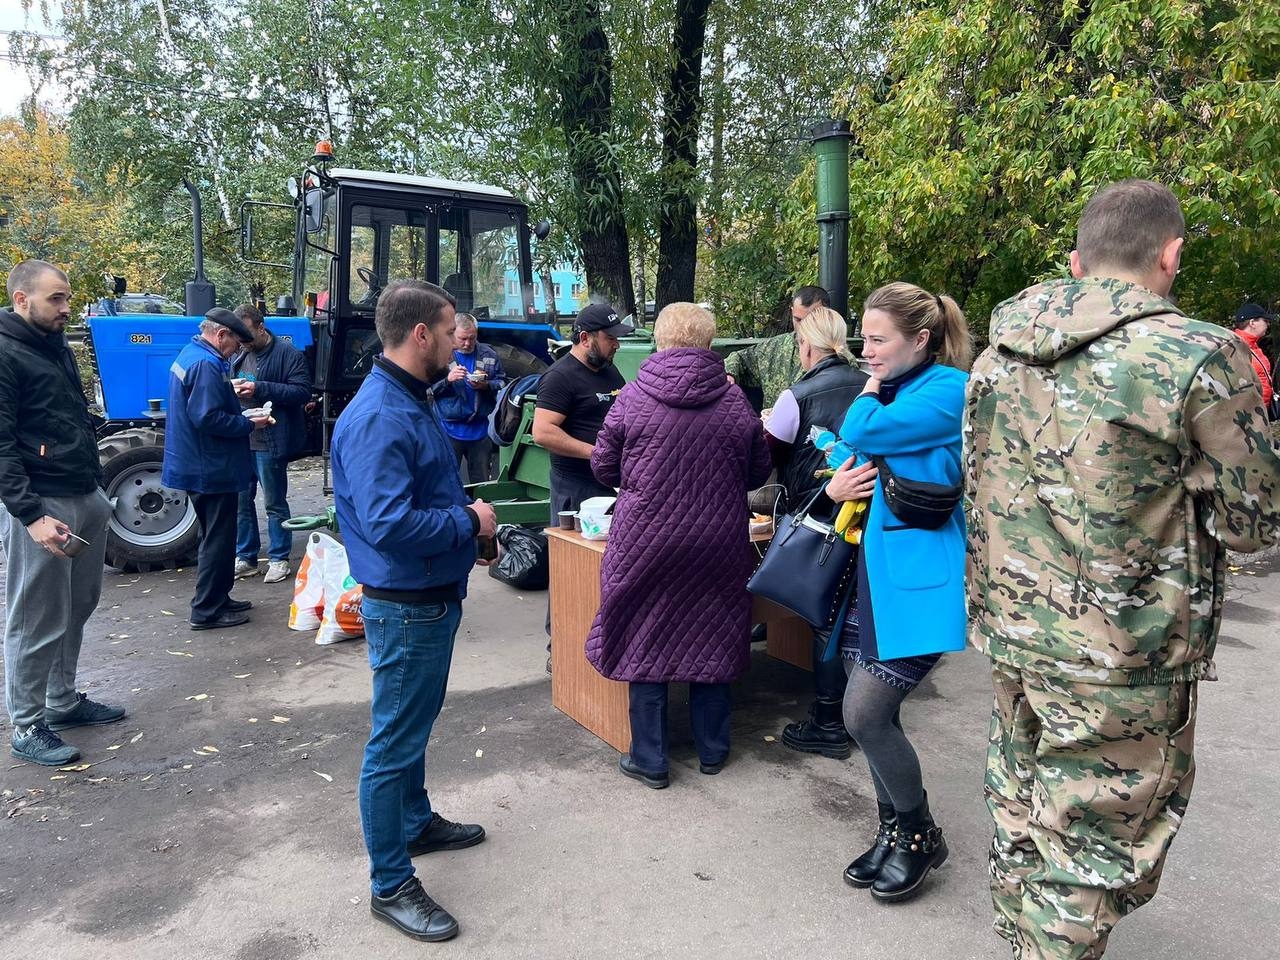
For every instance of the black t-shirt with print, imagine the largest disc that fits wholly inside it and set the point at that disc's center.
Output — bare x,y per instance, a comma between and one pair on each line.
584,396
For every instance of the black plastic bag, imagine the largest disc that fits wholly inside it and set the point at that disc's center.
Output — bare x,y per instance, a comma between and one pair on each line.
523,563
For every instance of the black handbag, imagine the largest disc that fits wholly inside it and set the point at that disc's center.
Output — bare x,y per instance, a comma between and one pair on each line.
807,567
916,503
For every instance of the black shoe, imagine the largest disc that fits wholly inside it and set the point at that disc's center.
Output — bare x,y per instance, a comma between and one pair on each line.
711,769
236,606
414,913
823,733
655,781
862,872
221,620
442,834
918,847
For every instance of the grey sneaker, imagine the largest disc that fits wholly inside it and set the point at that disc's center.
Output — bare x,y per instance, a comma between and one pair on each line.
245,569
86,713
277,570
41,745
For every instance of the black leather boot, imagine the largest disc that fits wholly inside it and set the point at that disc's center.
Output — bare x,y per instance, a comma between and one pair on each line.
863,871
918,847
823,733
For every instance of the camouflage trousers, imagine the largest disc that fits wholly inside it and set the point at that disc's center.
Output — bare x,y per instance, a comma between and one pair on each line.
1087,785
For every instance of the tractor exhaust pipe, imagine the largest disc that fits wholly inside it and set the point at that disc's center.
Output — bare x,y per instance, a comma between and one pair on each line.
200,294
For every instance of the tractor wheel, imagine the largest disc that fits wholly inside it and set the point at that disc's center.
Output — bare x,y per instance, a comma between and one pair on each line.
516,361
152,526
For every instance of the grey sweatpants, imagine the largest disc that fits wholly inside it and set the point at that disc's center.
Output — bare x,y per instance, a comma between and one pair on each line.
48,599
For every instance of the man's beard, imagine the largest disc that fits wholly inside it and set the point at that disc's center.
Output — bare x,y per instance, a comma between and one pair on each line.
597,360
49,325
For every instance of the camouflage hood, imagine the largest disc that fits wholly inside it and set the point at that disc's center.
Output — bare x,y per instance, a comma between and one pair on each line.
1056,317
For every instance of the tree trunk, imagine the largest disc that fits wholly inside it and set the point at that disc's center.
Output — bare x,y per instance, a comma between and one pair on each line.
678,217
586,98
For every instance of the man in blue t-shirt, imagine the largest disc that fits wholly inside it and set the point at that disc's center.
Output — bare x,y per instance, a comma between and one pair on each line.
465,398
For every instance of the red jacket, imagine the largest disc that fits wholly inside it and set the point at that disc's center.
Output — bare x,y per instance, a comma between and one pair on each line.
1260,364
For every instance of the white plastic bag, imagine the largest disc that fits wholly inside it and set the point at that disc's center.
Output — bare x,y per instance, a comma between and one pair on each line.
341,619
308,584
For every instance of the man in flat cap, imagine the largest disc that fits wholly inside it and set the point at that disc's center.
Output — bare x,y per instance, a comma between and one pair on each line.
206,453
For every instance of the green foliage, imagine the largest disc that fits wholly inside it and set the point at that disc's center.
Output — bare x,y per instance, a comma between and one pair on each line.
999,119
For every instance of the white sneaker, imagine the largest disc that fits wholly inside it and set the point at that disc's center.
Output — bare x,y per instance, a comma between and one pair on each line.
245,569
277,570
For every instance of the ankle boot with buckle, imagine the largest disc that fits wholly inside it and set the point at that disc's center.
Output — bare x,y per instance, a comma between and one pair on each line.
863,871
823,733
918,847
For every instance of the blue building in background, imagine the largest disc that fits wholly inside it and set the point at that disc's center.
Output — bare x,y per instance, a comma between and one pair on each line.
569,295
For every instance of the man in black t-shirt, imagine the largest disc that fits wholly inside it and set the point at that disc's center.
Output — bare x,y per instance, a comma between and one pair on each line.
574,397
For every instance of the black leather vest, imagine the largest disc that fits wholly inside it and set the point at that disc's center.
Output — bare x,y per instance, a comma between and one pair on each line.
823,395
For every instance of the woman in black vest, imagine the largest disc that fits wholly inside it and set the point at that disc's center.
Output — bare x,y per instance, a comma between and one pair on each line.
819,398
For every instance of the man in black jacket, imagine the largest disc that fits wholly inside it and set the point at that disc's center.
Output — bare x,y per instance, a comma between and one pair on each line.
269,370
54,521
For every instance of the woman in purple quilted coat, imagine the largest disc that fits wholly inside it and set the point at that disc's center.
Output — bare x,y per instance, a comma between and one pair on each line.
683,446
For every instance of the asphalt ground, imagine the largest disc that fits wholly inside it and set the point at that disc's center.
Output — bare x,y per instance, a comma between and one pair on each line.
219,819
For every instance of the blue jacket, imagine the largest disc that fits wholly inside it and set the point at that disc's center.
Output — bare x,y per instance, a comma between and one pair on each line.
916,576
399,500
284,379
464,410
206,440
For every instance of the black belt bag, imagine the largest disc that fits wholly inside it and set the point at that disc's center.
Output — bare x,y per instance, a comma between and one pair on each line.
916,503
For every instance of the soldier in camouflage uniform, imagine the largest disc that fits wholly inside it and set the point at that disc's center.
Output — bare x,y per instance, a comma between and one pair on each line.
772,365
1114,450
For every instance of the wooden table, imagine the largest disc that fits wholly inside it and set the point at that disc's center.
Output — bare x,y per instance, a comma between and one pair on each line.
577,689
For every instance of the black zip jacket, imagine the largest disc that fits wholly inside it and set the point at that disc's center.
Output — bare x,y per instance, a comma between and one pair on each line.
47,442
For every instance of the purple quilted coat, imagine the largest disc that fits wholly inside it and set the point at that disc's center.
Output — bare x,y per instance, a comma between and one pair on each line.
684,447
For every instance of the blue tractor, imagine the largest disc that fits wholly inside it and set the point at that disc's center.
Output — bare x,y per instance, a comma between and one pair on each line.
353,232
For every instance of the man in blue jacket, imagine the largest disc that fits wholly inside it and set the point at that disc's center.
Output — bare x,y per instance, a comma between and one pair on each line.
410,535
206,453
271,371
465,398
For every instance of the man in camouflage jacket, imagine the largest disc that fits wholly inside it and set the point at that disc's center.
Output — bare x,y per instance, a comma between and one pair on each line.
1115,449
772,365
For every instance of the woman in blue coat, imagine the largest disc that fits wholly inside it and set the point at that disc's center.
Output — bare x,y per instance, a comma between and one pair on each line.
910,606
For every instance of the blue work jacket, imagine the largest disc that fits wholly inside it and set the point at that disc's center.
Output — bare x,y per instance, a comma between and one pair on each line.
206,440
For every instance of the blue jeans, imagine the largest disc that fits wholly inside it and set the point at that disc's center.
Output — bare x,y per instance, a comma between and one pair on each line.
410,649
272,473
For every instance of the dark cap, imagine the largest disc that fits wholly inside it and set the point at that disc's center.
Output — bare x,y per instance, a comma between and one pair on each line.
1251,311
602,317
225,318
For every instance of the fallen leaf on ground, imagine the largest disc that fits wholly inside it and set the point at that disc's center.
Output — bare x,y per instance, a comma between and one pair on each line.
279,719
58,776
78,767
211,749
168,613
135,738
241,676
146,591
115,746
323,776
147,777
179,653
253,719
770,739
198,696
483,729
479,754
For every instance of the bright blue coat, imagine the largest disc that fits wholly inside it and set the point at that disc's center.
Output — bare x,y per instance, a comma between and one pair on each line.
916,576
